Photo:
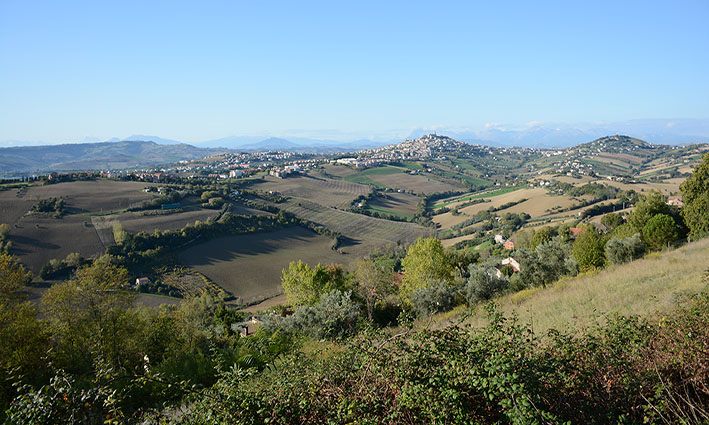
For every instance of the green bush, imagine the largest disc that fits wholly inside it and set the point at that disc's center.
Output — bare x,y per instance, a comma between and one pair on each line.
619,251
436,297
659,231
483,284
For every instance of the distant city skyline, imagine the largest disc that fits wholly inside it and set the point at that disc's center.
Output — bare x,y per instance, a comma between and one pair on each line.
201,71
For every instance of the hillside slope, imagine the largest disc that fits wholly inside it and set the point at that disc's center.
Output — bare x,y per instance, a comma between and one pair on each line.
94,156
647,286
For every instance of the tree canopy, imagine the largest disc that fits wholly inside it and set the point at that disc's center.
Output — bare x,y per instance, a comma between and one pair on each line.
695,194
304,285
426,261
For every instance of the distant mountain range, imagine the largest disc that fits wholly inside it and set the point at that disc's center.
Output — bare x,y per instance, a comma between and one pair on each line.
139,151
96,156
553,135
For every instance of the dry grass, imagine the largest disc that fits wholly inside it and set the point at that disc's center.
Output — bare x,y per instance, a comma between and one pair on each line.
646,286
670,186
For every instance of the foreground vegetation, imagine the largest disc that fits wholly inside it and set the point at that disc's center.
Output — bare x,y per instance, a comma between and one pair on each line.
90,357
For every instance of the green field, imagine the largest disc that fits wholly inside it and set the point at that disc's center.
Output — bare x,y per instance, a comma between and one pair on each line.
390,211
364,176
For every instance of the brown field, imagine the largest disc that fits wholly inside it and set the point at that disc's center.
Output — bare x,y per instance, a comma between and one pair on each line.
450,242
38,239
93,196
154,300
401,202
448,220
671,186
13,206
135,222
611,161
576,182
618,157
250,266
333,193
416,183
539,204
365,233
334,170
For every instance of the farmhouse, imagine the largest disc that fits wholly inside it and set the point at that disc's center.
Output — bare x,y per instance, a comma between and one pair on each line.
675,201
509,245
142,281
509,261
499,239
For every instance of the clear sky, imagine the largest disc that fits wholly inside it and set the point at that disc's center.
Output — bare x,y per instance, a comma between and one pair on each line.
201,69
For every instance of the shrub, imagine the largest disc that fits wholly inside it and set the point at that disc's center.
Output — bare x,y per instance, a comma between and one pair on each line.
483,284
335,316
436,297
619,251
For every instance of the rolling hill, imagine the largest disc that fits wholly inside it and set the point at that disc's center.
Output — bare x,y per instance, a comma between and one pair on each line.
95,156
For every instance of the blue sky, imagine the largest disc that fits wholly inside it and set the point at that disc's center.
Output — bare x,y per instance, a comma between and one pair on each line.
199,70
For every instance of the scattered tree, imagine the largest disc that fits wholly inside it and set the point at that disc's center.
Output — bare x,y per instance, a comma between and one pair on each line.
695,194
425,262
659,231
588,249
305,285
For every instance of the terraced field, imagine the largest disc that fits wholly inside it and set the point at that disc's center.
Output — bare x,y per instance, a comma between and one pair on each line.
365,233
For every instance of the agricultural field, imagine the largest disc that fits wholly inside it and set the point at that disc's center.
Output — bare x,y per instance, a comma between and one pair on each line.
418,183
93,196
13,205
136,222
398,204
447,220
540,204
249,266
333,193
365,233
38,239
670,186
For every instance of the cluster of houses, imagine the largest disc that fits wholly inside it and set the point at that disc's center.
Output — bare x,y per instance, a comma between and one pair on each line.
508,244
288,170
358,162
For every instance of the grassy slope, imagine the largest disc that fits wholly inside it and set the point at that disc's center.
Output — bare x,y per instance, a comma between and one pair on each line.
643,287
